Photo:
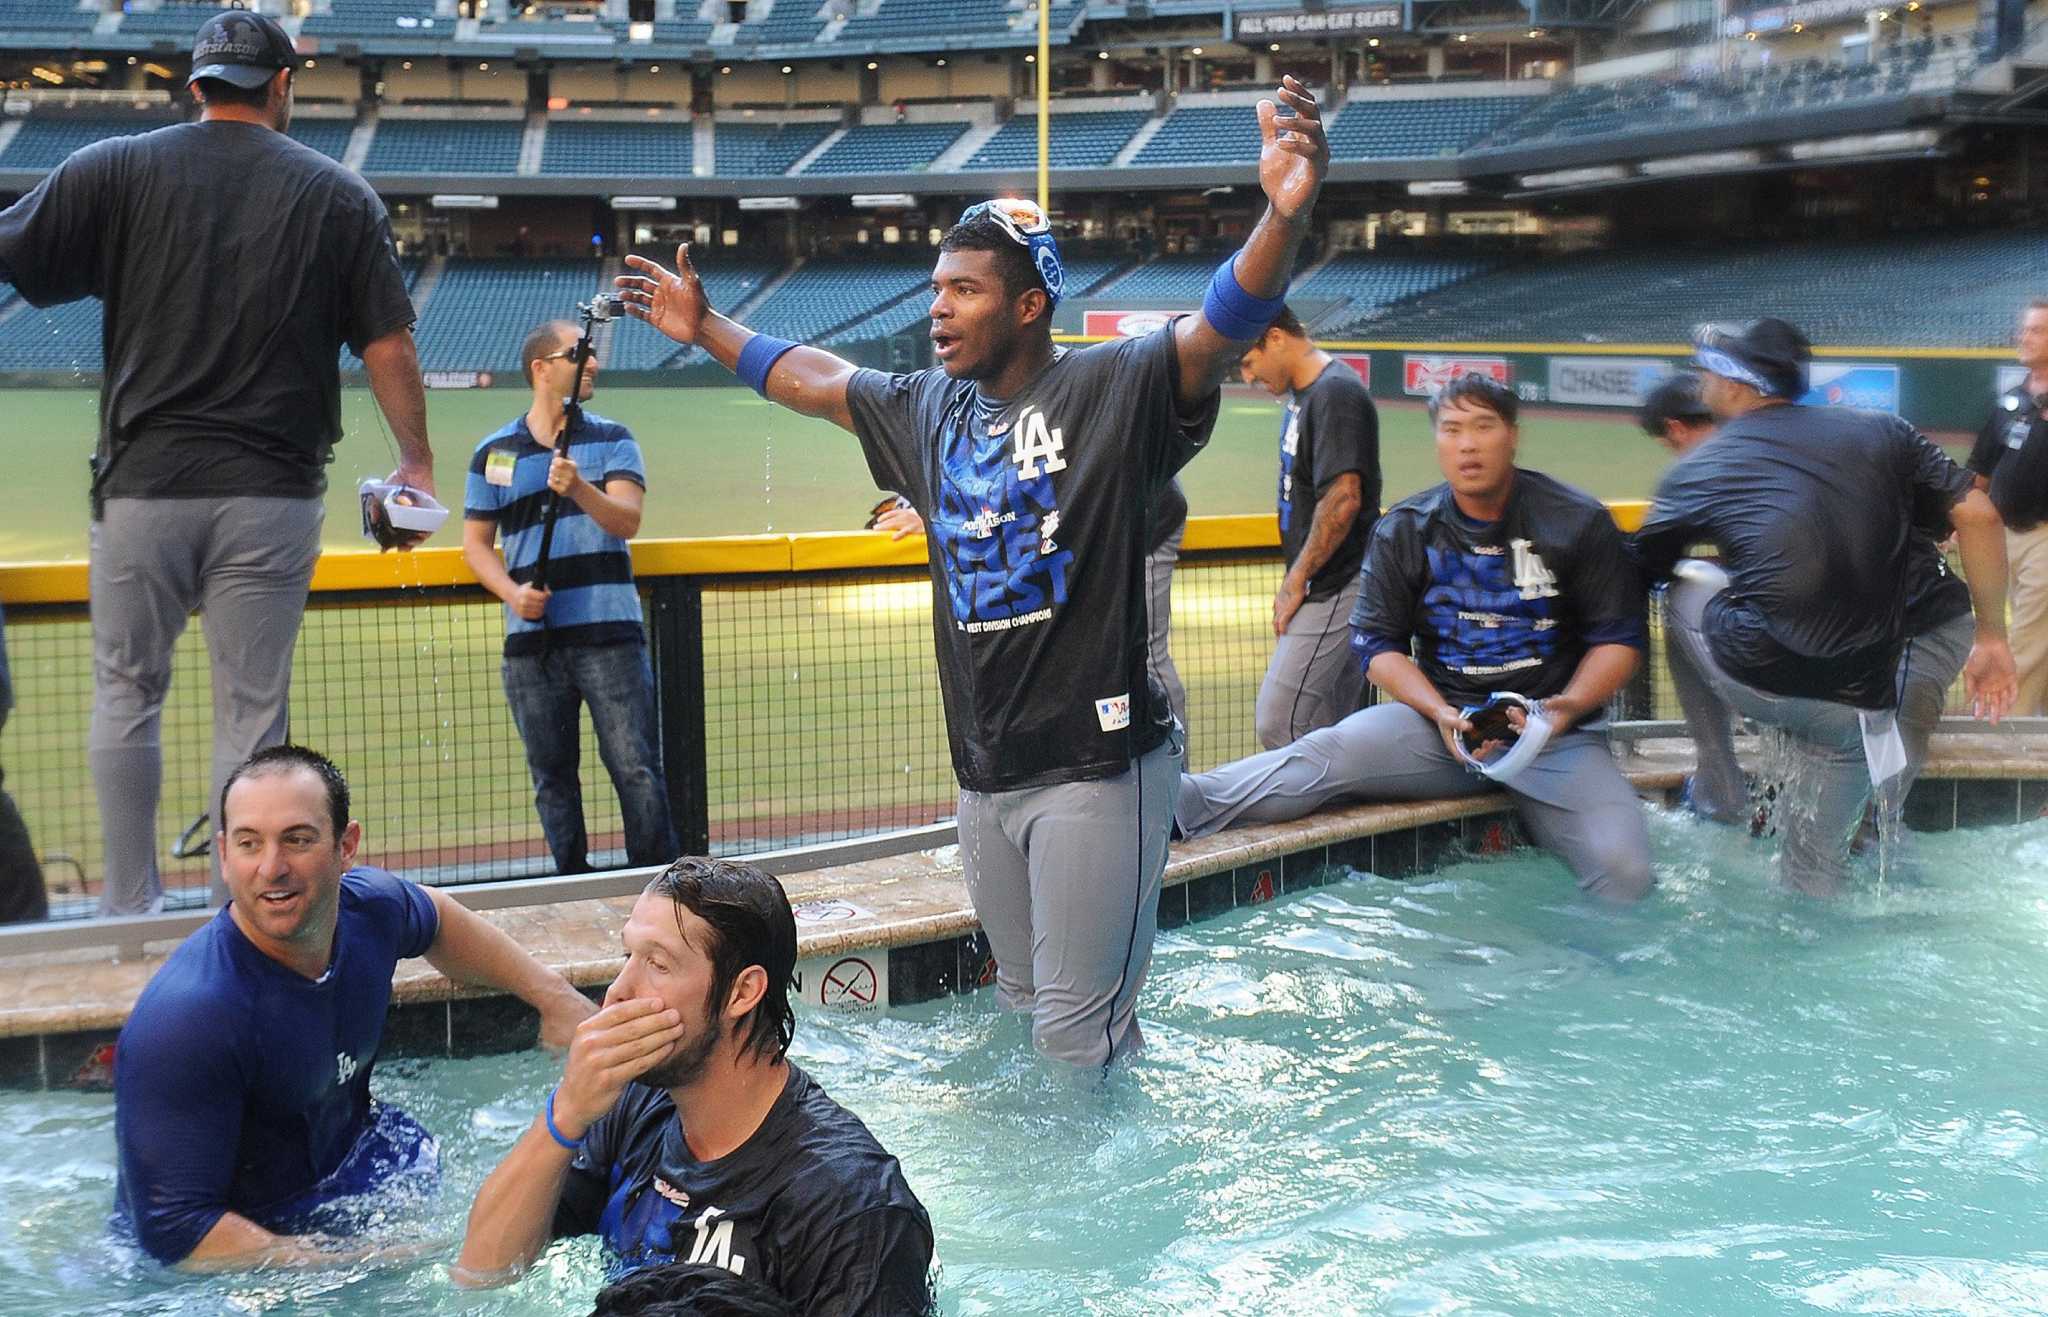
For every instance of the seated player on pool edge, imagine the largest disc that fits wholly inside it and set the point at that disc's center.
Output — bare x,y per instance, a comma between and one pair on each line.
1499,580
242,1109
680,1132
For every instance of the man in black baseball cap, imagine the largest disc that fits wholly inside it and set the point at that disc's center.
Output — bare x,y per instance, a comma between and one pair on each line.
243,49
1803,625
221,402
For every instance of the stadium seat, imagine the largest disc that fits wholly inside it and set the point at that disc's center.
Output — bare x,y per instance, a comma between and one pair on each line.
828,294
589,146
887,148
379,18
754,150
28,23
1209,134
45,139
445,146
1373,129
60,338
481,310
327,136
909,19
1079,140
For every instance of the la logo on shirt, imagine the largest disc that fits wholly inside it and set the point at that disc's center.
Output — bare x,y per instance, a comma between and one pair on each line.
995,520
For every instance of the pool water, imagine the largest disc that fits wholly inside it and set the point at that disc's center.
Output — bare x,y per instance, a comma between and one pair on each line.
1472,1092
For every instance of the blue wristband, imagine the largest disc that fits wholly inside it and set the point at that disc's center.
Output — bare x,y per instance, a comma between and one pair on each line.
573,1145
1235,313
757,358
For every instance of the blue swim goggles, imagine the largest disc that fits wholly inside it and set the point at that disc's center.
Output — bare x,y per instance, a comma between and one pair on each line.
1028,224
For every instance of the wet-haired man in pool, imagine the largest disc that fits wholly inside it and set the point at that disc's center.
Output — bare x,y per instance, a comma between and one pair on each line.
1036,471
242,1111
1500,587
681,1133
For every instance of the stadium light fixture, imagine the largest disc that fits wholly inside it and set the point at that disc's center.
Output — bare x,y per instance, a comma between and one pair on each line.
1464,36
789,68
1194,50
1374,42
132,61
1575,177
1102,54
643,203
51,76
312,63
1031,57
884,201
462,201
1275,46
939,63
483,66
654,68
1704,162
1798,27
1439,187
1836,148
769,203
406,66
872,66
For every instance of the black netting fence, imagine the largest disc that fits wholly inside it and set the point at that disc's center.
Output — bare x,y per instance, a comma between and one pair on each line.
795,709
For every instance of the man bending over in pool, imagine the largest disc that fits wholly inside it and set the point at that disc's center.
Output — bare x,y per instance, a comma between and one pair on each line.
1501,580
681,1133
242,1109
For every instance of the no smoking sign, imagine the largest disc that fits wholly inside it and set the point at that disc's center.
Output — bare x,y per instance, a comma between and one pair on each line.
856,984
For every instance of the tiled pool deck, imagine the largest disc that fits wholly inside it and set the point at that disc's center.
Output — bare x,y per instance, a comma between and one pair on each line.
895,931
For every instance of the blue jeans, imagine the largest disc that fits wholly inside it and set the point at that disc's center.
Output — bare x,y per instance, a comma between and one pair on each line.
617,682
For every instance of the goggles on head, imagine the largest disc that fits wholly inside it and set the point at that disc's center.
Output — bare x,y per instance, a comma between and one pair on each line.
1028,224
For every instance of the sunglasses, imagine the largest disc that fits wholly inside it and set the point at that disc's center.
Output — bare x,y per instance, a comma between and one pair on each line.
1021,219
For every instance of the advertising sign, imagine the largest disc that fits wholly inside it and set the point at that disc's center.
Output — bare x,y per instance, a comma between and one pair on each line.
1320,23
1124,324
1853,384
1423,376
1360,362
1604,381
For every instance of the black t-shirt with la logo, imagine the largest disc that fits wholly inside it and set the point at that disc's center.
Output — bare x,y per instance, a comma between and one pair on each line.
811,1205
1038,513
1508,605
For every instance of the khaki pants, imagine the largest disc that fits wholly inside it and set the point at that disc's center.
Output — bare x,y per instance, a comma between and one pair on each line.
2026,556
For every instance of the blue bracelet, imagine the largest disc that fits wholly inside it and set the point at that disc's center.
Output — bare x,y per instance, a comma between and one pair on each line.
757,358
1235,313
573,1145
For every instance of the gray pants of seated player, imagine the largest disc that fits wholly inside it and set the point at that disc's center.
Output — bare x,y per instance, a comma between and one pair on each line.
1573,799
1825,780
1930,665
1065,880
245,563
1312,680
1159,565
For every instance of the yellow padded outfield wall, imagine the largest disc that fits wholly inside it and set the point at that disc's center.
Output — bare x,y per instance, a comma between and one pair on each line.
733,555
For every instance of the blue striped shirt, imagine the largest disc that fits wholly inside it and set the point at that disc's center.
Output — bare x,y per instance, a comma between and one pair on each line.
589,570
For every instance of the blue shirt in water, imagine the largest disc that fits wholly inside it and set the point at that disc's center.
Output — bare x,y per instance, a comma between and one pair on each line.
240,1085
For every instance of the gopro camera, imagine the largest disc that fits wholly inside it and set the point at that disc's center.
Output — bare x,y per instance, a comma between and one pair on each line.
603,307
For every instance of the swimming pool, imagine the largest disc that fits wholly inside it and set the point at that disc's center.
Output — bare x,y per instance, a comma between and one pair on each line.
1467,1092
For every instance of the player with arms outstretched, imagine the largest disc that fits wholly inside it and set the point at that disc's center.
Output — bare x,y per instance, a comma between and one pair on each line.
1036,470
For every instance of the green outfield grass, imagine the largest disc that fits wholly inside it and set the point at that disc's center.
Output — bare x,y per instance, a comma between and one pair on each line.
722,462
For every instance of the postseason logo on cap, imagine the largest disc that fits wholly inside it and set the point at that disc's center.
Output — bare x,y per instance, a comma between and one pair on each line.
241,48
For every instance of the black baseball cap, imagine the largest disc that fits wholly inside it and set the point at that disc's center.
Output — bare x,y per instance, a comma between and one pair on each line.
1768,354
241,48
1675,398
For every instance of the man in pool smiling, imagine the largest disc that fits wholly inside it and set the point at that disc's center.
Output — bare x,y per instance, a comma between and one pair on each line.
681,1133
242,1111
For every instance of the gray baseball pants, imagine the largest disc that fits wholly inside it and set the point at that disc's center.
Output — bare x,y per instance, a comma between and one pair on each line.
1312,680
1573,798
245,563
1824,781
1932,661
1065,880
1159,565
